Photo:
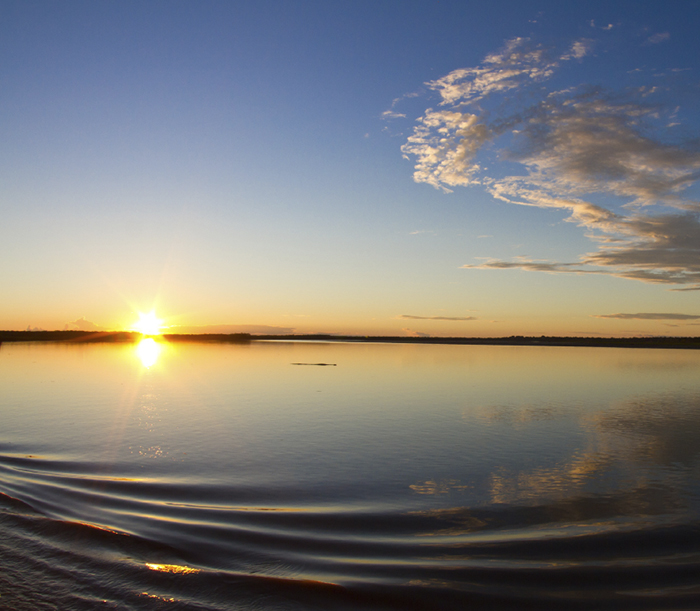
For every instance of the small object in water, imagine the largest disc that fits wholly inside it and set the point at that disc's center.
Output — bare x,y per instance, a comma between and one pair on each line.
318,364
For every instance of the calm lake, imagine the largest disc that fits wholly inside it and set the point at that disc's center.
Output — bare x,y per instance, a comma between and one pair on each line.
281,475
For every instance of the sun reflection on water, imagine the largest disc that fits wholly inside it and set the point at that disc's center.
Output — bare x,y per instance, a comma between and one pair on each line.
148,351
171,568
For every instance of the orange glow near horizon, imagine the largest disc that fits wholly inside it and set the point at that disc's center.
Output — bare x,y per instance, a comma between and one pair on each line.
148,324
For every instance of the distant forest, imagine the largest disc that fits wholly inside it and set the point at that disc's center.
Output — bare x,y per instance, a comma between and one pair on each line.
239,338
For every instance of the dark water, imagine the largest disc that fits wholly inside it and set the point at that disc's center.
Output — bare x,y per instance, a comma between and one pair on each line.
395,477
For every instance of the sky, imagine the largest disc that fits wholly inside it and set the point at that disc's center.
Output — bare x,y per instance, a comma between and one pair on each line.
441,168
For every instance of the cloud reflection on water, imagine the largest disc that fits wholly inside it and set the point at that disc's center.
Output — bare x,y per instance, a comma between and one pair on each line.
659,432
640,457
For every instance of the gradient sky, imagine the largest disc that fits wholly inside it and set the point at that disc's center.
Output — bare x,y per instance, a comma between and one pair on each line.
365,167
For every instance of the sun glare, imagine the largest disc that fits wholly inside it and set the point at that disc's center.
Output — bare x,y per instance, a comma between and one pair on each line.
148,351
148,324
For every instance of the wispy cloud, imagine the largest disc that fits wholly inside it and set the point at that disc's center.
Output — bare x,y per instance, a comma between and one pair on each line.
254,329
391,113
453,318
412,333
574,148
650,316
579,49
82,324
657,38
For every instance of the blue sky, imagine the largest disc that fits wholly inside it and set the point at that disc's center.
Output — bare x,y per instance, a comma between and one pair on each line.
281,166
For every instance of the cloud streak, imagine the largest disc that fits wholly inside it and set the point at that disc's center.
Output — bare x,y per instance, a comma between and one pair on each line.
451,318
606,159
227,329
649,316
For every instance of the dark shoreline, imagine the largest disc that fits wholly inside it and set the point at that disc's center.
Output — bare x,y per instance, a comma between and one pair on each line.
692,343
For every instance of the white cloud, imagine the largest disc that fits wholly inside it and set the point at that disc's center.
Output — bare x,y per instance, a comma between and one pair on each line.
390,114
445,146
82,324
574,147
579,49
518,62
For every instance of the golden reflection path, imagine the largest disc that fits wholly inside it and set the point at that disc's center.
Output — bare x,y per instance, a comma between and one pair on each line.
171,568
148,351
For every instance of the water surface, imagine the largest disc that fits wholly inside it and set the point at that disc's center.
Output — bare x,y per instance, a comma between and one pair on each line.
218,476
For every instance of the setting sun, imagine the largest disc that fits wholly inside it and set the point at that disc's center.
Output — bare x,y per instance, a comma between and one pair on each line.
148,324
